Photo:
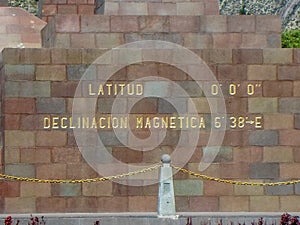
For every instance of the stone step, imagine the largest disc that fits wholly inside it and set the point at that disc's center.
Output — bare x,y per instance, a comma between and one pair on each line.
138,218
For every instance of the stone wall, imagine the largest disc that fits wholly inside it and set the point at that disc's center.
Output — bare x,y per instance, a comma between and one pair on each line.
41,82
194,32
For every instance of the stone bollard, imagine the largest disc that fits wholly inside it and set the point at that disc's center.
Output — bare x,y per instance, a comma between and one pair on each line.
166,199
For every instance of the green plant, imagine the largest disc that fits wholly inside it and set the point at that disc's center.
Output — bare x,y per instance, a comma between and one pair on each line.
29,5
291,39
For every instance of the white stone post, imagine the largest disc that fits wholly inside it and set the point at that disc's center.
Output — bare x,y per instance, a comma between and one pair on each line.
166,199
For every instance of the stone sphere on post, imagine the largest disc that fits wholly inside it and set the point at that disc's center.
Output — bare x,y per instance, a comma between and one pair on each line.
165,158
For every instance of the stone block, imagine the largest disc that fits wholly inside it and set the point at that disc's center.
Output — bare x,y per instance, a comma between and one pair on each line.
165,105
263,138
279,190
66,9
127,155
83,40
171,72
154,24
50,204
12,155
90,55
159,89
19,205
277,88
190,87
19,105
35,155
76,72
109,138
203,204
67,23
63,89
51,72
289,203
97,189
234,170
86,9
232,72
66,56
289,170
197,41
264,171
23,170
214,24
296,55
111,8
142,203
278,121
51,171
263,105
188,187
201,104
162,9
16,138
248,56
289,137
254,40
228,40
51,105
288,72
27,89
241,23
35,190
220,56
240,190
10,189
212,188
66,190
109,40
95,23
184,24
19,72
120,204
190,8
268,23
297,121
12,122
11,56
65,155
296,88
234,105
224,153
124,24
51,138
289,105
63,40
31,122
274,41
35,56
278,56
261,72
264,203
234,203
133,8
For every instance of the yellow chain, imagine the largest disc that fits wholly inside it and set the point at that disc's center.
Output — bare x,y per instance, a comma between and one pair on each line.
89,180
235,182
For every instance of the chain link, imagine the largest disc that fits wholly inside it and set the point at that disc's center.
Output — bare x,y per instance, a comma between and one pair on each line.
146,170
234,182
89,180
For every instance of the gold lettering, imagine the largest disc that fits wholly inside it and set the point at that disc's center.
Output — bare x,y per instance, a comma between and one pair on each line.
139,122
100,90
164,122
85,122
130,89
258,123
71,123
55,120
94,123
108,122
62,122
156,122
180,118
172,122
124,122
47,122
100,122
115,89
90,90
193,125
148,122
108,89
115,122
139,89
202,122
122,88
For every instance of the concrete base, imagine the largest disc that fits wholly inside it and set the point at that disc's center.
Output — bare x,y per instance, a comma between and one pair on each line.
210,218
